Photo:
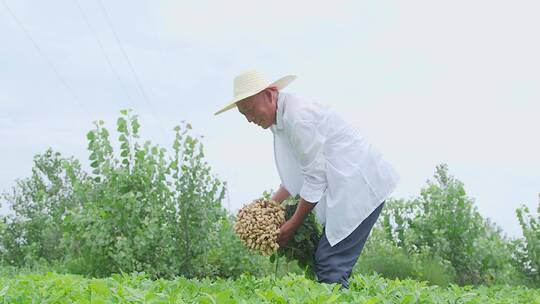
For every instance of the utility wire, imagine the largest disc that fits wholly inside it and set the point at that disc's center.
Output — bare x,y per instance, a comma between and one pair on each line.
81,107
115,72
166,65
109,23
139,84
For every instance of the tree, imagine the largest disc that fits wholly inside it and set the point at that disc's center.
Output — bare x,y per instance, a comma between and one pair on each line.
139,211
40,203
528,248
444,223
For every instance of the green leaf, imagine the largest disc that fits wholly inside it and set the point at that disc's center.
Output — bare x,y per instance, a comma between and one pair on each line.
140,155
121,122
135,126
4,290
224,296
99,287
408,299
372,300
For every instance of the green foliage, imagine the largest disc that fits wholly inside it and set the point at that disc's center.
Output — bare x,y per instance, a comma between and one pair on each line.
142,209
145,212
301,248
444,224
527,249
229,258
384,257
449,225
139,211
39,204
137,287
397,265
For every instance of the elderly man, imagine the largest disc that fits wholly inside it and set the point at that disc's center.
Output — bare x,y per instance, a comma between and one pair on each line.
325,160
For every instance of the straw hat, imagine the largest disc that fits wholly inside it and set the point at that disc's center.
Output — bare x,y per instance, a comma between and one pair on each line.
251,82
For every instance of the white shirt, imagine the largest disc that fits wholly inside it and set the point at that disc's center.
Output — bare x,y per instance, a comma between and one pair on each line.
321,157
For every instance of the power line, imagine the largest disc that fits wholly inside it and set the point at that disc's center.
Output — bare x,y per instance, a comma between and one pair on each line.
49,62
115,72
139,84
109,23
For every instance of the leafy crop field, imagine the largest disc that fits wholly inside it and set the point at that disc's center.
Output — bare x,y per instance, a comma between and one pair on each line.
138,288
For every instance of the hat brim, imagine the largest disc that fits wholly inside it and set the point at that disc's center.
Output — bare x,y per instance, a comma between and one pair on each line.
279,84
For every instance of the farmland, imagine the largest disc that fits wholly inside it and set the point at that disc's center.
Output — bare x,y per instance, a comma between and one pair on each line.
138,288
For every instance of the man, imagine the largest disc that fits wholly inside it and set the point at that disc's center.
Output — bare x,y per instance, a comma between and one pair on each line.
325,160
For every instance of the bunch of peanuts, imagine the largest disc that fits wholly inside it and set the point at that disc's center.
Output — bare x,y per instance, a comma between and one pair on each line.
257,225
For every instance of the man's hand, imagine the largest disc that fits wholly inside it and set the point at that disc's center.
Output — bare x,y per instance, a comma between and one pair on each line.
286,233
287,230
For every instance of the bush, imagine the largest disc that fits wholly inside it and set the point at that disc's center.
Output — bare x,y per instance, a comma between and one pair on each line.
136,212
444,224
527,249
39,202
383,257
144,212
436,271
230,258
397,265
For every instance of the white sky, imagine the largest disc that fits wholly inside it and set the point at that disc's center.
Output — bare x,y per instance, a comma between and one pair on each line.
428,82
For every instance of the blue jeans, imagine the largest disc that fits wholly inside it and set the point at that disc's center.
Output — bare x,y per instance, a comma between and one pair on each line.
335,264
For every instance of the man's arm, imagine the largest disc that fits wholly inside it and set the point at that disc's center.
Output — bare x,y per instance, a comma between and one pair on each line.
281,195
288,228
302,210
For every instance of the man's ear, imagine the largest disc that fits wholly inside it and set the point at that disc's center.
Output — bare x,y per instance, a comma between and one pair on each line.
271,91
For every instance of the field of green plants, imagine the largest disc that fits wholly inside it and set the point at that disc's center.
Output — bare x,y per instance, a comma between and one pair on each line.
138,288
144,224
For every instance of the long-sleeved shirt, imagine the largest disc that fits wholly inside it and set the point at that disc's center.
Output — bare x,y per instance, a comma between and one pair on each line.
324,159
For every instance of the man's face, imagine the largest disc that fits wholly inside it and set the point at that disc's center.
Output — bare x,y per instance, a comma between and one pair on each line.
259,109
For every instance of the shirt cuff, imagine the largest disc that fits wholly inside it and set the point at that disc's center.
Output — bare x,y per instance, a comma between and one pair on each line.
312,193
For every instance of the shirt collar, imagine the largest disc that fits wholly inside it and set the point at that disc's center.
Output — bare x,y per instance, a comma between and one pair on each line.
279,111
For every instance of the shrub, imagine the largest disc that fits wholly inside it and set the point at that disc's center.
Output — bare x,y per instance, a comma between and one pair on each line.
527,249
383,257
39,203
444,223
139,211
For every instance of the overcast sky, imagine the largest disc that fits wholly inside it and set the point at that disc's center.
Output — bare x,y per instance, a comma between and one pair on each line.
427,82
